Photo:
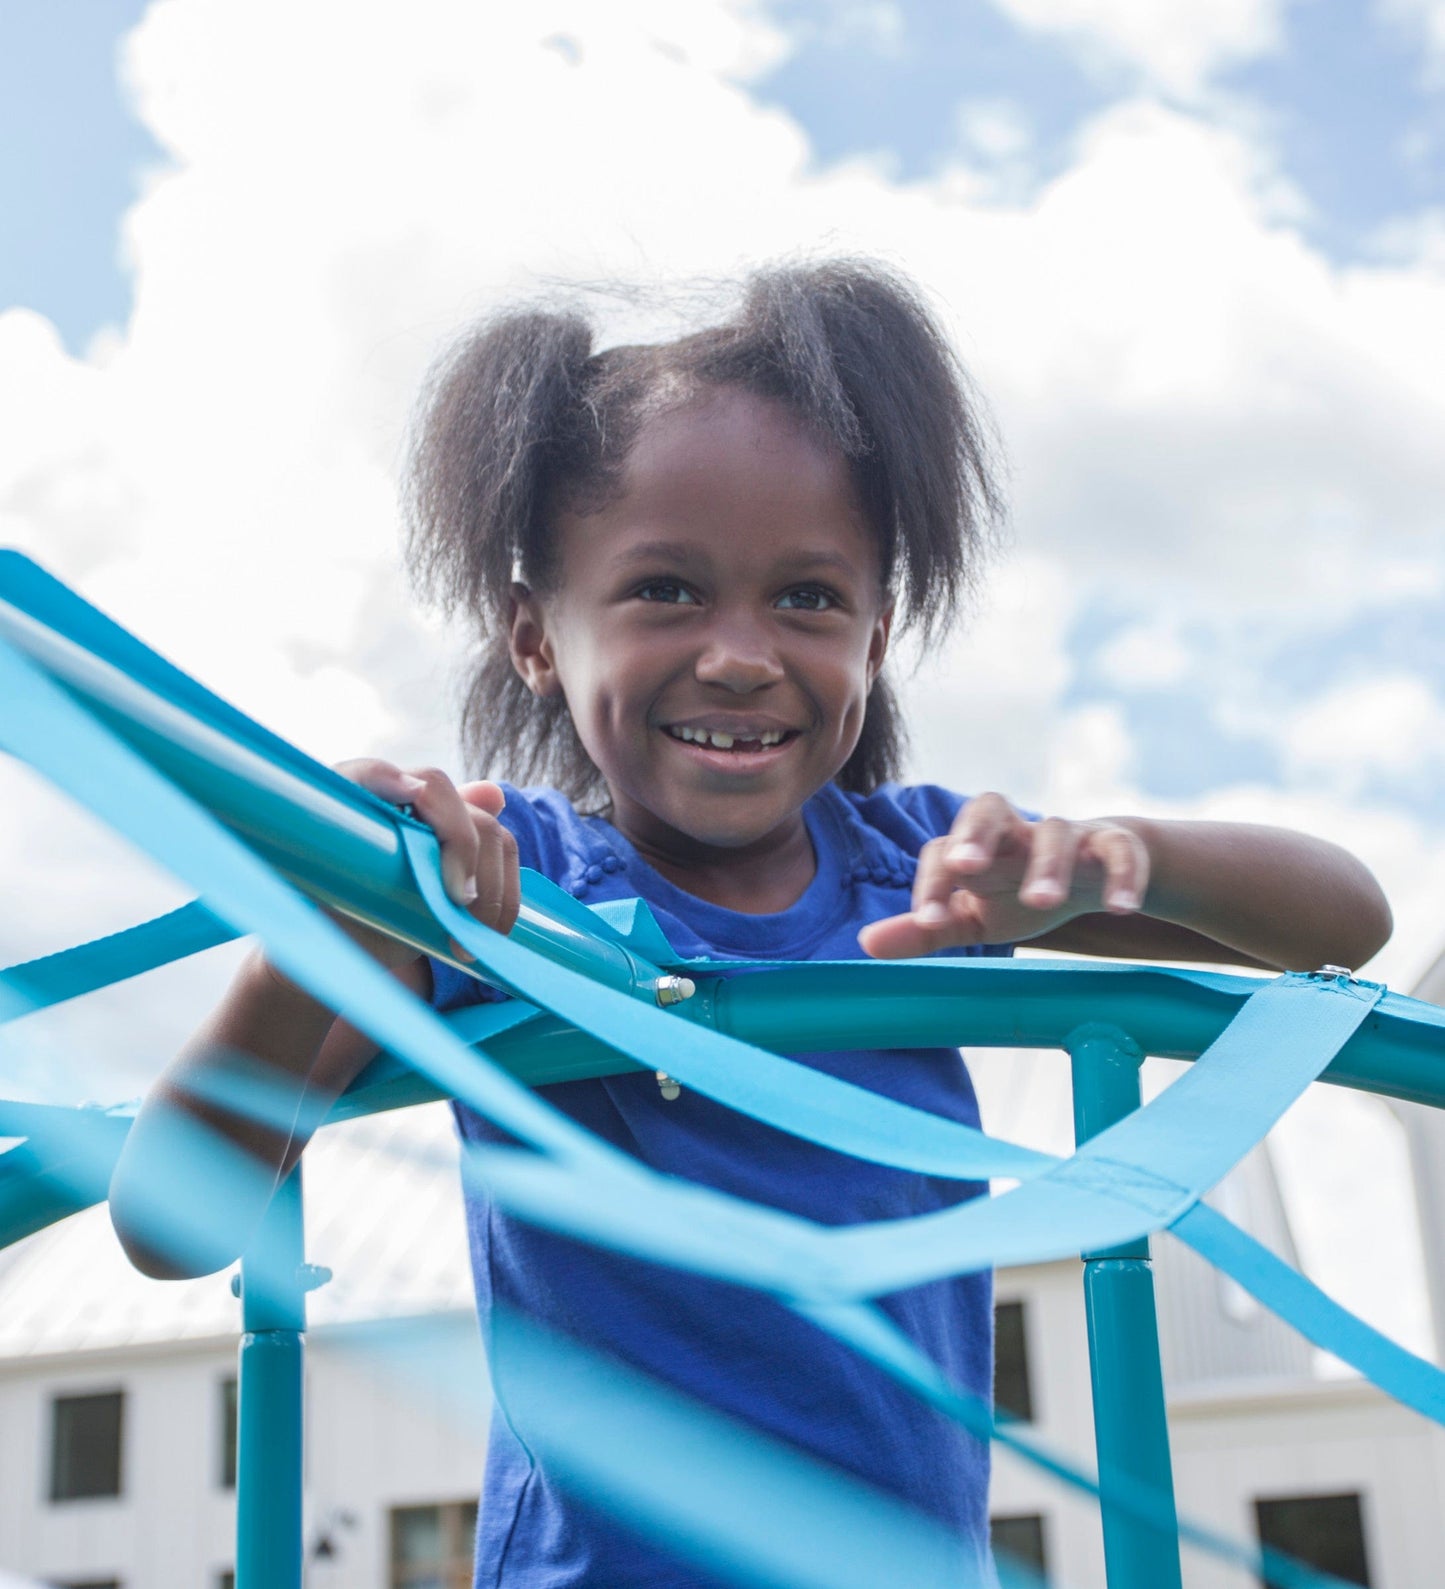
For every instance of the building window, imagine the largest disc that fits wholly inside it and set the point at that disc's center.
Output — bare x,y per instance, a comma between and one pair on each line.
85,1446
1022,1540
228,1434
1326,1532
1012,1393
90,1583
431,1546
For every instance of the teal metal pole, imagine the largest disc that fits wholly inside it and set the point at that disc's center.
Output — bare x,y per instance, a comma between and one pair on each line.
1131,1432
274,1280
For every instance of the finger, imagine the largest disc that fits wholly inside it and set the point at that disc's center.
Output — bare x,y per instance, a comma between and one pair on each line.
1049,876
439,804
511,887
905,937
933,882
979,831
485,796
1125,859
382,778
496,858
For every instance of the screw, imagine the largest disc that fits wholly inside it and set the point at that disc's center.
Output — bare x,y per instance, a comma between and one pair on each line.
673,990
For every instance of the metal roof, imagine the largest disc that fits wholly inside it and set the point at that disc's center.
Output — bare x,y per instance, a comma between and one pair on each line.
383,1212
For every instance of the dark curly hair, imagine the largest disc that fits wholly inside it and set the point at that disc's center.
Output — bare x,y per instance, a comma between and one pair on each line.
522,419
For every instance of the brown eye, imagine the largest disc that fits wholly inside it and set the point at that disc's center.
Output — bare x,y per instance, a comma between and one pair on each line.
808,598
665,590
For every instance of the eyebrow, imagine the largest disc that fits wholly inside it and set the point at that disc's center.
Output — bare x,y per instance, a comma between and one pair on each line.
676,552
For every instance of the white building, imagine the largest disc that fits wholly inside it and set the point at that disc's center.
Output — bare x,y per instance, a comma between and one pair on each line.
114,1391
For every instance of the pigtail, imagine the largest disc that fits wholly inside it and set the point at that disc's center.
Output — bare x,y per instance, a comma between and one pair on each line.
854,350
858,351
494,414
503,423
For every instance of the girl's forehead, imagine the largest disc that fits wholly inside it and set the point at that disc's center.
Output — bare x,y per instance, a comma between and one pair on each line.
730,481
727,443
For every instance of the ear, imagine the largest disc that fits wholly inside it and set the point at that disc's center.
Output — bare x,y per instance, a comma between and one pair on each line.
878,641
529,644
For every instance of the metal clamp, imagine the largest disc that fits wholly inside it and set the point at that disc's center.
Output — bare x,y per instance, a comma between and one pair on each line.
1336,973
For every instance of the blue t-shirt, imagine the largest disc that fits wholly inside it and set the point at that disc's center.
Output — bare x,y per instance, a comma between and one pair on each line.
735,1349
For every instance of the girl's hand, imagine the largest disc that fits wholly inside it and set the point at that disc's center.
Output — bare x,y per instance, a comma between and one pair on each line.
998,878
478,855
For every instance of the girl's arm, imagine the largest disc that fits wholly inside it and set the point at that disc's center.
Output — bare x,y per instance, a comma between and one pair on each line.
267,1040
1136,888
195,1151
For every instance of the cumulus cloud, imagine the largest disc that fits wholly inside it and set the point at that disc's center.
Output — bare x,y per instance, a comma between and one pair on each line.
1203,414
1386,727
1178,46
1428,17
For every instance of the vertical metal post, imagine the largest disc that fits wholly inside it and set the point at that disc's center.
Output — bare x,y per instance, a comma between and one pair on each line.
269,1399
1131,1433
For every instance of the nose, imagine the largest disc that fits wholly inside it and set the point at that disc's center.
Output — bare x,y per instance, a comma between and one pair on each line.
738,655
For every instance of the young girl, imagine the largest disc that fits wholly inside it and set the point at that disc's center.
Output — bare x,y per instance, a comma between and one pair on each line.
685,563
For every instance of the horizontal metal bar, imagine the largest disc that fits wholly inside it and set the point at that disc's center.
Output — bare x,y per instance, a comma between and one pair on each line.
331,839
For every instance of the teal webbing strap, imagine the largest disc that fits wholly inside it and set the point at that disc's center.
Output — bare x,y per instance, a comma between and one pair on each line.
766,1086
1126,1168
1300,1303
64,743
876,1337
811,1527
58,737
52,979
41,596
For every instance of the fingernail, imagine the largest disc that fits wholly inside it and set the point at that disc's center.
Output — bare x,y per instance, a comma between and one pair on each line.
413,786
961,853
1043,893
1122,899
931,914
469,891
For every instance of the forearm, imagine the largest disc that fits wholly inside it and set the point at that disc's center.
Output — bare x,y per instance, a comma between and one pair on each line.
1263,896
242,1098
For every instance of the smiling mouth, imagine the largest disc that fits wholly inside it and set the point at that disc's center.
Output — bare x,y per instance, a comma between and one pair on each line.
747,742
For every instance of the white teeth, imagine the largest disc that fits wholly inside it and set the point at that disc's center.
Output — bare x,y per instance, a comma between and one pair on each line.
723,741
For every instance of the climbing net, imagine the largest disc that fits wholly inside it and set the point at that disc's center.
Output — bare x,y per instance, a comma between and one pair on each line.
264,834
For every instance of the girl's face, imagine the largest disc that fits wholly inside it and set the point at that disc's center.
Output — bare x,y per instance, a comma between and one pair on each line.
715,630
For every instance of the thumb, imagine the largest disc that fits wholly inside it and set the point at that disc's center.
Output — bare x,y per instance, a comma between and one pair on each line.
485,796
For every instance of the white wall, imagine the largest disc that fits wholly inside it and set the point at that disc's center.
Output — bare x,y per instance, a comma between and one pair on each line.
1229,1447
377,1442
373,1444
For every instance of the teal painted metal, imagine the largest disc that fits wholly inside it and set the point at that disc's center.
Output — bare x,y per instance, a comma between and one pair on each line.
269,1474
1131,1431
345,849
328,836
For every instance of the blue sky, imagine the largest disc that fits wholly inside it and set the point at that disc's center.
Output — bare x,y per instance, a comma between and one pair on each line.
1346,106
1345,101
71,161
1160,236
1338,100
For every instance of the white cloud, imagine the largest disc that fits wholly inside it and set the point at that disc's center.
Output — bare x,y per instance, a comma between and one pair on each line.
1428,17
1177,46
1151,655
1355,734
998,129
1204,415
